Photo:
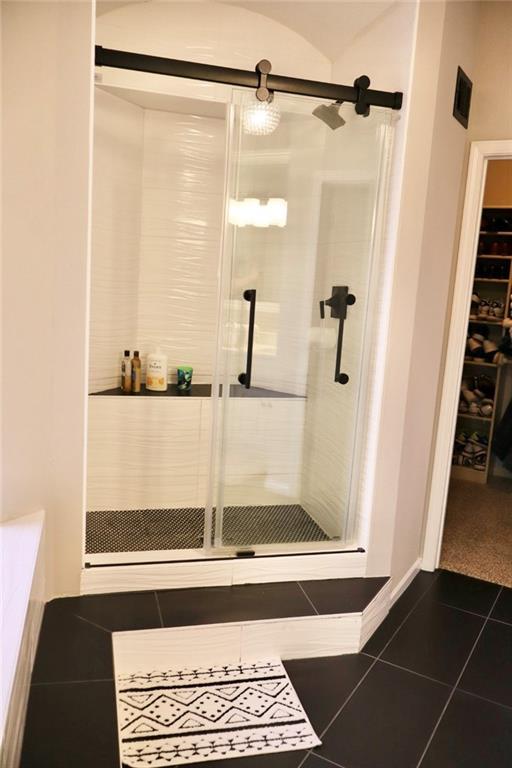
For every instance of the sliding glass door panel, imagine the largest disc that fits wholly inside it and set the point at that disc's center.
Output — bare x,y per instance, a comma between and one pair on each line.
301,217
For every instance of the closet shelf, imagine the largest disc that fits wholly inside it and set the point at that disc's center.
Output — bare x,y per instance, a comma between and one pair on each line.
491,232
491,280
470,361
460,472
473,417
494,256
485,320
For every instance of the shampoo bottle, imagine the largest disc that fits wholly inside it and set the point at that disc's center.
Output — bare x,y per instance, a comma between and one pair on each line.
156,371
136,373
126,372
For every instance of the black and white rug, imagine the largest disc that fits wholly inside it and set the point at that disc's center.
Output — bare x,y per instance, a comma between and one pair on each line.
184,716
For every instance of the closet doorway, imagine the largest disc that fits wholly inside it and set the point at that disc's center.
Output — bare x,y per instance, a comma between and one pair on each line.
469,526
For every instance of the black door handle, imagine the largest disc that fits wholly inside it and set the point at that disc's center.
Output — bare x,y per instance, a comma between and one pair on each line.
245,378
338,302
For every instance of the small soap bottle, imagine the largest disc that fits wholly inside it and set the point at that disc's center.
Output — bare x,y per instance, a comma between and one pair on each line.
126,372
136,373
156,371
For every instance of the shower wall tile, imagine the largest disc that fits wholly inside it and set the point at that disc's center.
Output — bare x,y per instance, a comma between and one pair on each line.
182,207
345,220
146,453
262,448
142,452
116,209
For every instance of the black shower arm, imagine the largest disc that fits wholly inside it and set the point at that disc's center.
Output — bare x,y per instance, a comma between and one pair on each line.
359,94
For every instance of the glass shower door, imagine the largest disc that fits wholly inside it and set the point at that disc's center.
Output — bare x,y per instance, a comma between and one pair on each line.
300,241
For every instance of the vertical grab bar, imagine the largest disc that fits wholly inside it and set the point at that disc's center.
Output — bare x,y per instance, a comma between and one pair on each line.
338,302
245,378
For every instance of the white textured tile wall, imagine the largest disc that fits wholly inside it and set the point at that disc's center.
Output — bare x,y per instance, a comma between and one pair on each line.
182,205
116,209
154,452
346,219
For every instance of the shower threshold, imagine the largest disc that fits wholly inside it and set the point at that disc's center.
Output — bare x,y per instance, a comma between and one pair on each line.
144,530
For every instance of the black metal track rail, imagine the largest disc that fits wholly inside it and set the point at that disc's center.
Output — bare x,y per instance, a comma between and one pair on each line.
158,65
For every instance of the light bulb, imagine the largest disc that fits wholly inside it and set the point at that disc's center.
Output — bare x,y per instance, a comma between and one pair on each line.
260,118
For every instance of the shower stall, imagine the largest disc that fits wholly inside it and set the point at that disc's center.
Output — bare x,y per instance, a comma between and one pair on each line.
248,247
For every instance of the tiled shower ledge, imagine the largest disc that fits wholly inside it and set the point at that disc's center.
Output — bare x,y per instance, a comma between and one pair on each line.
199,390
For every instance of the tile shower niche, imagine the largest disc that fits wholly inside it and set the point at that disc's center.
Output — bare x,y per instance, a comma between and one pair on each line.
180,240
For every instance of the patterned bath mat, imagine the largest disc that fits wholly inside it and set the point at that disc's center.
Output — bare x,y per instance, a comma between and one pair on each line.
193,715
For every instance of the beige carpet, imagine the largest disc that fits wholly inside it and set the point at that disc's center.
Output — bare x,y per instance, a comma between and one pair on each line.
477,537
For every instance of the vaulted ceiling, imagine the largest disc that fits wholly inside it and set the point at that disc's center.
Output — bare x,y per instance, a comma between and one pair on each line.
328,25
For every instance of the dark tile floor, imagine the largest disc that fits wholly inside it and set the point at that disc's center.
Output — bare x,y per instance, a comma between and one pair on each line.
431,689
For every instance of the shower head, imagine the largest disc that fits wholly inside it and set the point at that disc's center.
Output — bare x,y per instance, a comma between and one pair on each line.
329,114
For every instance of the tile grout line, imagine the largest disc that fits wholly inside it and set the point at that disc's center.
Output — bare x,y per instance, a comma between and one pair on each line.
484,698
325,759
308,598
375,659
418,601
480,615
452,692
334,717
406,669
159,609
93,624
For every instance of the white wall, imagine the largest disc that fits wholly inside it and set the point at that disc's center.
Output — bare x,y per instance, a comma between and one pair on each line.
45,145
491,109
436,249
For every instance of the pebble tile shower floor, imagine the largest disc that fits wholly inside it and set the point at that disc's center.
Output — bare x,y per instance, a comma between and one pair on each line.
153,529
431,688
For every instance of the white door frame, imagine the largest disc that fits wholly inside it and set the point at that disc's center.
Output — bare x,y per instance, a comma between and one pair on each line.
481,153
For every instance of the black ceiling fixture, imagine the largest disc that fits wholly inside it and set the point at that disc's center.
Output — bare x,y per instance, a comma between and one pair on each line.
462,100
358,94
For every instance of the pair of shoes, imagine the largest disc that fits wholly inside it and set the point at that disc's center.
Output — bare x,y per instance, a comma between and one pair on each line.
489,308
471,451
477,396
506,342
480,347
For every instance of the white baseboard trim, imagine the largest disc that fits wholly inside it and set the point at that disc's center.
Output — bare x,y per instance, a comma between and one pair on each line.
22,606
375,613
405,581
287,638
208,573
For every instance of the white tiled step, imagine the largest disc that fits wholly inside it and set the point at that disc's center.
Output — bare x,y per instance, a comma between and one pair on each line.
284,638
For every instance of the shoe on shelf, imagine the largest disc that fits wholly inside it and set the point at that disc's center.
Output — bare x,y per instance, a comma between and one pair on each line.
478,441
480,461
476,346
490,351
483,308
484,386
498,309
475,304
467,393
